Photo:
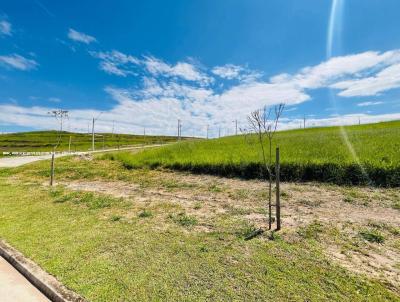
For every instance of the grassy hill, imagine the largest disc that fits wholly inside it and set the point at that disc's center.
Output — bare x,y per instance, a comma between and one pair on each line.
306,154
45,140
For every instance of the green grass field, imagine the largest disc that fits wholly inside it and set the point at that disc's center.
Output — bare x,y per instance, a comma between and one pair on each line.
312,154
45,141
133,249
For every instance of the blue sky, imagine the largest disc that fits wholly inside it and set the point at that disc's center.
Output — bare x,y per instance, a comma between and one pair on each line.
149,63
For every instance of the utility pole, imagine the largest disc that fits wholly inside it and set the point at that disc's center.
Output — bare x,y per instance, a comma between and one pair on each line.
304,122
93,120
236,126
179,129
207,130
93,134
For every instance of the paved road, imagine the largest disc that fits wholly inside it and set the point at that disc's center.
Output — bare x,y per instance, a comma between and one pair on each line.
15,161
15,288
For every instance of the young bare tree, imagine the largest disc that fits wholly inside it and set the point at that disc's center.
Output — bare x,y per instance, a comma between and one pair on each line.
263,123
59,115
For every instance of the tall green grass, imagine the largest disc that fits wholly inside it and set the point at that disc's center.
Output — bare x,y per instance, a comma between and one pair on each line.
319,154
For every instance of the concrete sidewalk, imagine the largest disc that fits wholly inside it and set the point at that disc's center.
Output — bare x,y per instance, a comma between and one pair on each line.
15,288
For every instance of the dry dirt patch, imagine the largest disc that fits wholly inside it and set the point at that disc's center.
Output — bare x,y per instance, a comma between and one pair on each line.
206,197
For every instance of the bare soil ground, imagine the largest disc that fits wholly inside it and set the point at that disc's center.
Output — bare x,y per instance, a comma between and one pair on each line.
335,216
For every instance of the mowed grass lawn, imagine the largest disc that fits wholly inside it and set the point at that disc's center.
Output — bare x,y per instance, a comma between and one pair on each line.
45,141
365,154
106,249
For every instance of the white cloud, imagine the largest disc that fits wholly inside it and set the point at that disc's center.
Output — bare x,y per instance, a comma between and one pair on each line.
118,63
337,68
386,79
18,62
5,28
115,62
231,72
54,100
228,71
248,97
182,70
132,116
185,90
80,36
340,120
364,104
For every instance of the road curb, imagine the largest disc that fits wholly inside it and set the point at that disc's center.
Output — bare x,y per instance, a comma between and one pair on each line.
43,281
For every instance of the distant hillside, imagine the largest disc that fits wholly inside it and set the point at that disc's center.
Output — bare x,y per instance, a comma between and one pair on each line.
320,154
45,141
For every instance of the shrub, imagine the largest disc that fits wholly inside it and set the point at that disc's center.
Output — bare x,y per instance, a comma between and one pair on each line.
372,236
145,214
115,218
184,220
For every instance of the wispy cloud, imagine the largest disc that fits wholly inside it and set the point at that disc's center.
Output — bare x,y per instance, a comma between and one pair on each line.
231,72
386,79
365,104
44,8
120,64
330,72
18,62
5,28
228,71
80,36
183,70
116,62
188,91
54,100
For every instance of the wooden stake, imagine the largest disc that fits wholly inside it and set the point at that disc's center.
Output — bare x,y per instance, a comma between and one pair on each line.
52,169
278,195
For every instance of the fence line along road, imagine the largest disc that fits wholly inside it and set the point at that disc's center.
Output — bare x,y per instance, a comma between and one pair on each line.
16,161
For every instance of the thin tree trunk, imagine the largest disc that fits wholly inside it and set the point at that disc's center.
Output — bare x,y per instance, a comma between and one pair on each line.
52,169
